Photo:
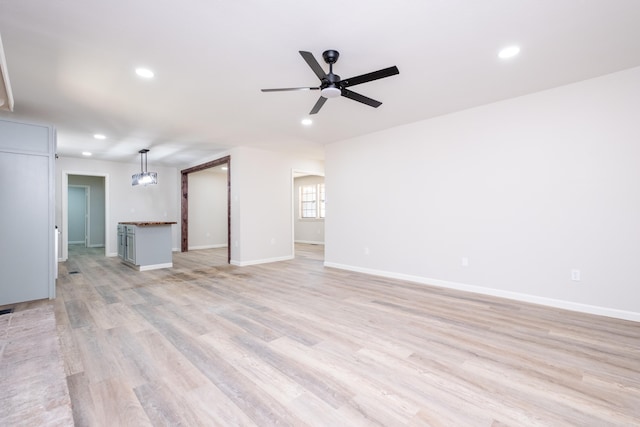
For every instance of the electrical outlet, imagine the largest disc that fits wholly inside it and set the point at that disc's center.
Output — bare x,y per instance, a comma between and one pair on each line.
366,250
575,275
465,261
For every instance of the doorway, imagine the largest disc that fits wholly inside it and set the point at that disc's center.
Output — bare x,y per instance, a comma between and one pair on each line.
308,214
208,208
97,224
224,162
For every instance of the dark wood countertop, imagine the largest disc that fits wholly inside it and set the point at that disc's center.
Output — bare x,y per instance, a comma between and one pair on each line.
148,223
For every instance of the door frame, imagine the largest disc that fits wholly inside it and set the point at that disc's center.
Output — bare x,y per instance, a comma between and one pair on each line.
184,203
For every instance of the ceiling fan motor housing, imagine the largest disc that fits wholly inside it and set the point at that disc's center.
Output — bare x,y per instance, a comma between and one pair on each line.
330,84
331,79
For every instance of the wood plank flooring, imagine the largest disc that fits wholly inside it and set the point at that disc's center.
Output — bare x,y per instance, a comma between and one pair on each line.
33,384
294,344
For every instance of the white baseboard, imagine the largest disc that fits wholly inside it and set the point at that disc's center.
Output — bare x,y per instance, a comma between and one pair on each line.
550,302
309,242
261,261
154,266
196,248
81,242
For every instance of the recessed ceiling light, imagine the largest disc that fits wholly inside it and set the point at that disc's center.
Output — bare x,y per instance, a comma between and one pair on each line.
99,136
224,168
144,72
509,52
86,153
306,122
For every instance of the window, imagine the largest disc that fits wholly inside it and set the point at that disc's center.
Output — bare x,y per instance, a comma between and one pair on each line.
308,201
312,201
321,200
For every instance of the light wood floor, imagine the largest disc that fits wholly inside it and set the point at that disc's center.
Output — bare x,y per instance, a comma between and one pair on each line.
33,384
294,343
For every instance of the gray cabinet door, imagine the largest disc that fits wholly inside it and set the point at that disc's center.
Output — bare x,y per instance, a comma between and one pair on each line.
130,249
121,241
25,241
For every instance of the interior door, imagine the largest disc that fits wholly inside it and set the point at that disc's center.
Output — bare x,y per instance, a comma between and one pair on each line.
25,262
77,215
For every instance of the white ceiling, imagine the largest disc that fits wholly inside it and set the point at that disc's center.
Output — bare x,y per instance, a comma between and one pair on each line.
71,63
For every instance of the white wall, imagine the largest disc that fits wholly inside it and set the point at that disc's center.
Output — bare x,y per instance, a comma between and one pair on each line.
125,203
525,189
208,209
306,230
262,204
261,207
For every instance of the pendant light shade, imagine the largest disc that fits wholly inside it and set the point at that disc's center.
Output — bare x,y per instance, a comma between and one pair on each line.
144,177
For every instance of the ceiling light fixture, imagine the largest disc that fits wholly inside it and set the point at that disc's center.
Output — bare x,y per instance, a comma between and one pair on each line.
144,177
144,73
86,153
99,136
307,122
509,52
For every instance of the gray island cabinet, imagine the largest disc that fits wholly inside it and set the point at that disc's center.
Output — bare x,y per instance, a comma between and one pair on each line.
145,245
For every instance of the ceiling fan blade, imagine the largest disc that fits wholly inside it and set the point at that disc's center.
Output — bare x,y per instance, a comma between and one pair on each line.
380,74
311,61
318,105
360,98
284,89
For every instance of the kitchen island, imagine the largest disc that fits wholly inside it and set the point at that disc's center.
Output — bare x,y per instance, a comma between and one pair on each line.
145,245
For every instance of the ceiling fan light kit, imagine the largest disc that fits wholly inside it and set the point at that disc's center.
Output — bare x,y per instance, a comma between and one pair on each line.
331,86
331,92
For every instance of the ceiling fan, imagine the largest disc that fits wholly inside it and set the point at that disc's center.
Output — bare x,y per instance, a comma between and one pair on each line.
330,84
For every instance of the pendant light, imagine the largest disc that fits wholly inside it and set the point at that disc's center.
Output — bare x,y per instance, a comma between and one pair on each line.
144,177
